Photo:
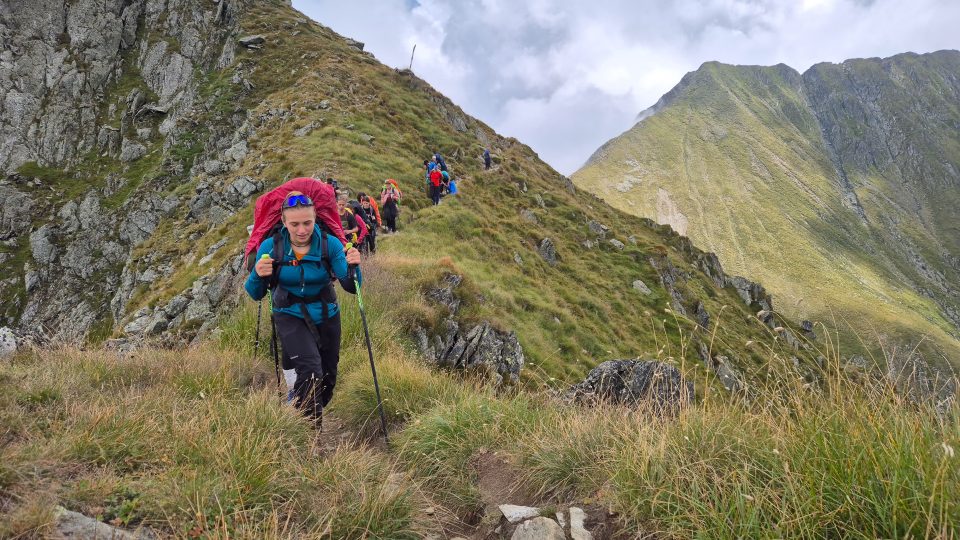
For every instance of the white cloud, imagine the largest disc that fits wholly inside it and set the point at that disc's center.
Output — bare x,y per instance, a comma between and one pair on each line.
564,76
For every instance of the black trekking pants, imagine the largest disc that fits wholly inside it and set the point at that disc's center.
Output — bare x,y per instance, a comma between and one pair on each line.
435,194
390,213
315,363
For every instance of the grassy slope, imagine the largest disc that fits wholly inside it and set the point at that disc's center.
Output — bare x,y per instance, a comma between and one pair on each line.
589,292
742,158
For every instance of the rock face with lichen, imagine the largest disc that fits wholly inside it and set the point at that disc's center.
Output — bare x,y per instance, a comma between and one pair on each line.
98,109
653,384
475,347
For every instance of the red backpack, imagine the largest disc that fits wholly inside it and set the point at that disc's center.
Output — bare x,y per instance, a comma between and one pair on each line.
267,209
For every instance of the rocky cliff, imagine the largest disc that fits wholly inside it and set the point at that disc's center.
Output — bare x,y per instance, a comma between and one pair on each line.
838,188
99,106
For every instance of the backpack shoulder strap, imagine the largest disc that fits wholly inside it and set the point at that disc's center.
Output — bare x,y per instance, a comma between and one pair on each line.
277,256
324,253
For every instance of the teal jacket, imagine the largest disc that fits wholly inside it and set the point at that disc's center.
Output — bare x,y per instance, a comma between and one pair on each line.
315,276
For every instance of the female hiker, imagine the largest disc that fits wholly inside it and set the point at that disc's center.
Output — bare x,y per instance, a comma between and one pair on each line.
390,197
300,272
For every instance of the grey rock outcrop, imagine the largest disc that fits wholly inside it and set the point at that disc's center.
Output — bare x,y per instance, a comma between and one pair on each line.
131,150
73,525
515,514
15,212
59,67
641,287
578,529
548,251
474,347
634,382
539,528
598,229
247,41
8,342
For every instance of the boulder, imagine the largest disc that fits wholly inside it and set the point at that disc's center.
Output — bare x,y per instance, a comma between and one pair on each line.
597,228
641,287
252,41
43,249
729,377
8,342
131,150
68,524
578,530
527,215
307,129
515,514
617,244
548,251
539,528
634,382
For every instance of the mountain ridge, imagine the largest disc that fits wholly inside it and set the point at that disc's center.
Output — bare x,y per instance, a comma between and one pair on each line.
846,149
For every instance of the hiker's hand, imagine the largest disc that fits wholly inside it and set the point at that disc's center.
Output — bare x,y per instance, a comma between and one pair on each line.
353,256
264,267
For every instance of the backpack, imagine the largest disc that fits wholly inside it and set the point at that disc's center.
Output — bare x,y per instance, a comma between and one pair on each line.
267,210
360,212
362,229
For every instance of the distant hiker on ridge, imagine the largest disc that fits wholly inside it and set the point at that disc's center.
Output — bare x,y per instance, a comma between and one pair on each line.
439,159
436,181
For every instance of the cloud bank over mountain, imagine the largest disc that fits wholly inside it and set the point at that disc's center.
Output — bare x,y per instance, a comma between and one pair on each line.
565,76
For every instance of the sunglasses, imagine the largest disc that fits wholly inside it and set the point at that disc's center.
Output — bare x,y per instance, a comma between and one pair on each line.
297,200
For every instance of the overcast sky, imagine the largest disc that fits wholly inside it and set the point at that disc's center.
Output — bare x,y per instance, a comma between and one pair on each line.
564,76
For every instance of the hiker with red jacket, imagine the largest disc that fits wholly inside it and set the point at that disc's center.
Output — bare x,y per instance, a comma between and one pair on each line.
299,263
436,185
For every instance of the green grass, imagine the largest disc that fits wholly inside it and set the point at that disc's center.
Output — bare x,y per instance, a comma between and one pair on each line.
195,443
764,195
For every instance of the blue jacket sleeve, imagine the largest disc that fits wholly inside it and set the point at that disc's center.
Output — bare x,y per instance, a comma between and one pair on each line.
256,287
338,260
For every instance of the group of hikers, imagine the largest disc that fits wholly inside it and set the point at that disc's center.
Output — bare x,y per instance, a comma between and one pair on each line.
307,234
439,180
361,219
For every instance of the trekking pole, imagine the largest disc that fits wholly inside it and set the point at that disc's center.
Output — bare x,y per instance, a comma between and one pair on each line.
373,367
256,339
273,338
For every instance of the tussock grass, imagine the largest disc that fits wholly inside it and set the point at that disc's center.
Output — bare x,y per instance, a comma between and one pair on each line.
195,441
189,442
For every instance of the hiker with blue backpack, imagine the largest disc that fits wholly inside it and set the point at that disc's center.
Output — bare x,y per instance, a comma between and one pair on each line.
298,263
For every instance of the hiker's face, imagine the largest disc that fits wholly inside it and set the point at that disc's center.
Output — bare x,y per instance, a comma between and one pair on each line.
299,223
